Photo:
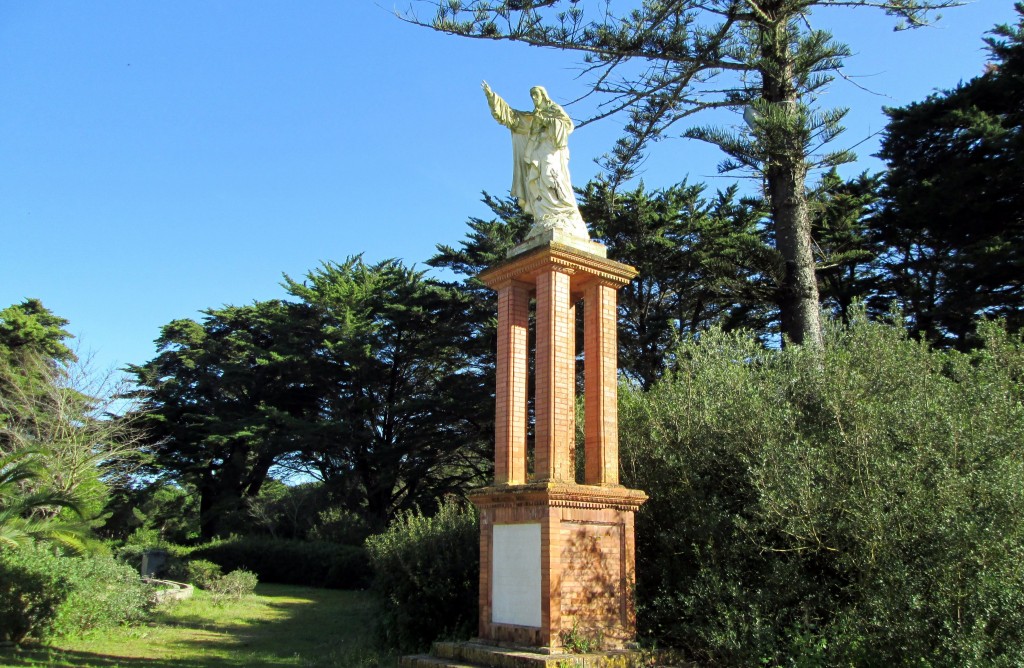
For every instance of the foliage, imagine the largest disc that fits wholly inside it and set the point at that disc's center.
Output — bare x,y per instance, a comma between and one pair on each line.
396,421
216,400
59,436
339,525
427,563
577,641
29,512
954,198
33,349
43,593
847,245
283,561
199,572
702,260
154,513
87,448
359,381
31,327
662,62
289,511
234,586
31,590
102,593
862,506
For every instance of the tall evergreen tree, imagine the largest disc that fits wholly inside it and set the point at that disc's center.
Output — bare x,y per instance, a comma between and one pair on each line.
361,379
667,60
398,419
953,219
33,354
215,396
703,261
58,427
847,247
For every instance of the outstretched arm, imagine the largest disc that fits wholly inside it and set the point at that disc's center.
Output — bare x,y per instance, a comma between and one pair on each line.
502,113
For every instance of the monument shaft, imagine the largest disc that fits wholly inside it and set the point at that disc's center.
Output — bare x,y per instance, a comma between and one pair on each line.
557,555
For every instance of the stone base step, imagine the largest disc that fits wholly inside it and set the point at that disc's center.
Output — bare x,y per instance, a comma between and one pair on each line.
427,661
481,655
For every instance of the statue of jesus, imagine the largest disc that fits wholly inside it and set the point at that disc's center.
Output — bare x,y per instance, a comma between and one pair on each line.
540,172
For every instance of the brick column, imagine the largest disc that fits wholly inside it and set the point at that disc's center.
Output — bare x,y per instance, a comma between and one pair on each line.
554,410
552,543
512,378
600,359
570,374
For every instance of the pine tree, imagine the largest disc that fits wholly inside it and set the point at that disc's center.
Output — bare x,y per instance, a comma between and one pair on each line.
953,220
667,60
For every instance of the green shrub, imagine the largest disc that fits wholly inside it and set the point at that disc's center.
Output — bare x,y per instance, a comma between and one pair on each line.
102,593
44,594
425,573
199,572
234,586
32,587
291,561
861,505
339,525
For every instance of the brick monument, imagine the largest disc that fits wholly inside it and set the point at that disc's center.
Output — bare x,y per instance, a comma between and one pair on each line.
557,554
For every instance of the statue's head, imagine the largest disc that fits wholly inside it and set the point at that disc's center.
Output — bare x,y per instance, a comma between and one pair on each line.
540,96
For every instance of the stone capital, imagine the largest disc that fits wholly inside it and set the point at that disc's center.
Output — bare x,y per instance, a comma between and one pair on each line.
511,283
585,267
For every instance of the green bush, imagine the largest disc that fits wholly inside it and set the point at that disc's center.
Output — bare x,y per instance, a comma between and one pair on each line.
291,561
339,525
425,573
44,594
198,572
234,586
32,587
860,505
102,593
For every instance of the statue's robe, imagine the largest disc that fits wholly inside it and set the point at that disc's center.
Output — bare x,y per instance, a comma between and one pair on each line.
540,172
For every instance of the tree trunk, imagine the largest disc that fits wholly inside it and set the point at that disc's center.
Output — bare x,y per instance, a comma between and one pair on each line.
798,299
220,495
786,182
207,518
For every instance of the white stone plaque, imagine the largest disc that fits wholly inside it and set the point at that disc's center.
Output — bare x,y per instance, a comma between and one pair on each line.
515,578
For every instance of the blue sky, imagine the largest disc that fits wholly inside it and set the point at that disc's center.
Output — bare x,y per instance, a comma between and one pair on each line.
157,159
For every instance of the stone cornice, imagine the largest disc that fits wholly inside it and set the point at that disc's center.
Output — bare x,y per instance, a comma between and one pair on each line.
559,495
584,267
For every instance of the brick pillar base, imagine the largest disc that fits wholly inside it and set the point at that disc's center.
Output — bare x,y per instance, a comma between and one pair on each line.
585,558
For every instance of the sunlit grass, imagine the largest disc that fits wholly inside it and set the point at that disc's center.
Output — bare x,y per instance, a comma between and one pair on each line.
279,626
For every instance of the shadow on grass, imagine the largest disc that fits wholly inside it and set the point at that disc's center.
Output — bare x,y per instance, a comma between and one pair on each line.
44,656
305,627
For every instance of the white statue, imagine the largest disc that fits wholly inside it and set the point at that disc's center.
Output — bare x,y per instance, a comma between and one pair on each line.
540,173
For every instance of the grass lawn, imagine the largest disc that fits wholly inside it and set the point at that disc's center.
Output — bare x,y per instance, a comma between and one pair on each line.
279,626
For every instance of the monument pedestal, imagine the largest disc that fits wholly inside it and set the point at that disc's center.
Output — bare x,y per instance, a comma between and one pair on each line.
557,565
